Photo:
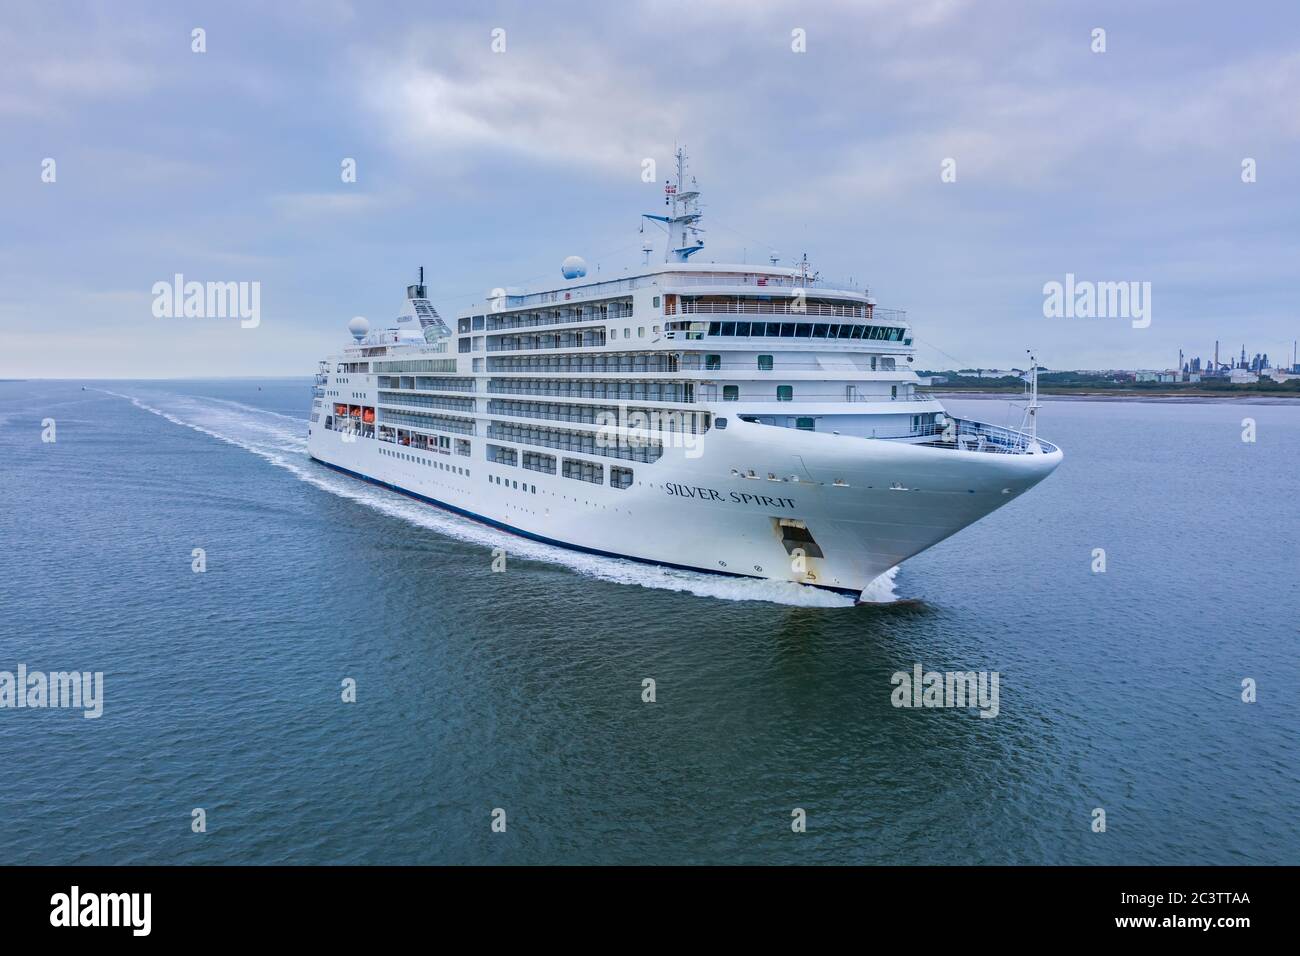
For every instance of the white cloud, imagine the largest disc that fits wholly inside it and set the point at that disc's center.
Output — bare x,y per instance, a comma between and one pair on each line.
585,110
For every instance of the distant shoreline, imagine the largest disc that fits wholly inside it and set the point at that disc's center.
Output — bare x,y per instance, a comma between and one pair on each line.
1192,397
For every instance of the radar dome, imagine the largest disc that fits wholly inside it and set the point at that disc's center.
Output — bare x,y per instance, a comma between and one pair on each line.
573,267
359,327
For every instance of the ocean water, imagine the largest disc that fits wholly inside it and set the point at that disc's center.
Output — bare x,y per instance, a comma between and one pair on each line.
522,690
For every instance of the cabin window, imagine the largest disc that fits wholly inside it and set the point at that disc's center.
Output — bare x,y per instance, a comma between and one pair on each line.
785,393
720,423
731,393
712,362
805,424
893,391
765,363
656,302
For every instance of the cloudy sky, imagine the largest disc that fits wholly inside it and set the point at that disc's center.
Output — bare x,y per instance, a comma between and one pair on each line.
489,168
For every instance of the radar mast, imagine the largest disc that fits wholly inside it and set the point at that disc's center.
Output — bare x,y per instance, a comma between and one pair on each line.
684,202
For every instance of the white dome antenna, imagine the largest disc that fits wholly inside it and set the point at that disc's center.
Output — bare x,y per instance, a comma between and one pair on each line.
359,327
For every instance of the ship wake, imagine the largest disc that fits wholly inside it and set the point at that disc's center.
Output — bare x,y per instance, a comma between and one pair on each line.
281,440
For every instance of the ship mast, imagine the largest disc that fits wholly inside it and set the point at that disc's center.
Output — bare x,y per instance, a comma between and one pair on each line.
684,202
1030,422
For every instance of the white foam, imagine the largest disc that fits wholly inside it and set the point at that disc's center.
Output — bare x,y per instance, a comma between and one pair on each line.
258,431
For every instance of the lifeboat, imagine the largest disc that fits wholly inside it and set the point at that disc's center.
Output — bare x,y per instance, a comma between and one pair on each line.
368,416
356,411
340,409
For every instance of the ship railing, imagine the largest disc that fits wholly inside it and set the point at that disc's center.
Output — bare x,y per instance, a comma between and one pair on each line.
692,363
702,335
757,281
585,315
965,435
774,308
588,396
520,347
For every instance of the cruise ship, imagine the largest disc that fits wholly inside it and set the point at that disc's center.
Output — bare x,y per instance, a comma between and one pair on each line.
757,421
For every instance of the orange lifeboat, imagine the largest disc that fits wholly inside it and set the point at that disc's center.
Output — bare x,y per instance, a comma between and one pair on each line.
340,409
368,415
355,411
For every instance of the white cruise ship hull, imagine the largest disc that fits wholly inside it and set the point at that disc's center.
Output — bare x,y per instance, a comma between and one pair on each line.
866,504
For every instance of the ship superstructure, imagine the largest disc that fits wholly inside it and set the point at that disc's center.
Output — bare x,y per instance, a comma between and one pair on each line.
749,420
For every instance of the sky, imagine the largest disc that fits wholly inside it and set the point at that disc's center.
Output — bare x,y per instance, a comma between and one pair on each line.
953,156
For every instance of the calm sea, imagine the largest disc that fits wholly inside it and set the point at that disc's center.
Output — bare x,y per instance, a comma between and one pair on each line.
522,691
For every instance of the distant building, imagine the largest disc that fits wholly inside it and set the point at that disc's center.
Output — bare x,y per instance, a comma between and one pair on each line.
1277,375
1241,376
1146,376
